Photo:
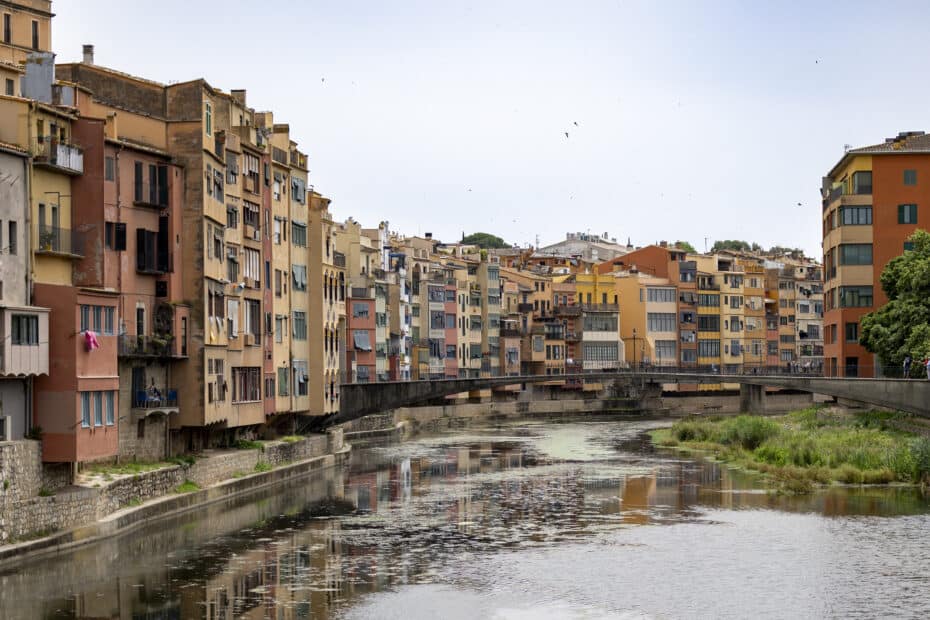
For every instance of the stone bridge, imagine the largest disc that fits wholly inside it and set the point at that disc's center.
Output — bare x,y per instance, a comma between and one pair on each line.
913,396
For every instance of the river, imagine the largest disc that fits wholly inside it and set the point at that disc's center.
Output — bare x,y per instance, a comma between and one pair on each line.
520,521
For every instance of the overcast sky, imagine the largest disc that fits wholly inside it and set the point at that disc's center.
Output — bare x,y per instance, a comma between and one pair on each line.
685,120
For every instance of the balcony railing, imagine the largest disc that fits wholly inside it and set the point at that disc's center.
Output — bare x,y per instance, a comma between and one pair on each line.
59,155
155,398
57,240
147,346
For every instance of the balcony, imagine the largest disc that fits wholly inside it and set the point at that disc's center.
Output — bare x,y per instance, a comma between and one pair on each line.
524,307
57,241
150,195
155,400
339,259
51,154
149,347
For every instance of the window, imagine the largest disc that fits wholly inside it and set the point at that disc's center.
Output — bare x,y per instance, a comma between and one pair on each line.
600,352
100,319
736,301
299,326
10,87
852,332
12,238
283,382
361,340
85,409
301,378
252,319
7,28
299,274
862,182
25,330
278,225
661,321
250,215
601,323
232,168
666,350
688,355
660,294
232,217
709,348
708,323
252,266
279,328
910,177
299,234
208,118
359,310
110,402
247,385
907,214
232,318
98,408
708,301
856,254
35,35
109,169
855,296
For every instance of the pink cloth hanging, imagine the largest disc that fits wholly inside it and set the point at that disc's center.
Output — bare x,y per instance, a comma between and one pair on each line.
90,340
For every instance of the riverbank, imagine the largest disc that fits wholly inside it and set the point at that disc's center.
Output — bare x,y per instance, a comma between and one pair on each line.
814,446
108,500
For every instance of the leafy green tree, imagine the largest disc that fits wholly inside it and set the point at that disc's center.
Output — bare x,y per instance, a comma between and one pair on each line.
731,244
687,247
485,241
902,326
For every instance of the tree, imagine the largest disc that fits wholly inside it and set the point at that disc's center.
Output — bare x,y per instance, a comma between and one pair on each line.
731,244
485,241
687,247
902,326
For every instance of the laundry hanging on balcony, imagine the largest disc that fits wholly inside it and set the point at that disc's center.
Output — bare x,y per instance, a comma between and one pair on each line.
90,340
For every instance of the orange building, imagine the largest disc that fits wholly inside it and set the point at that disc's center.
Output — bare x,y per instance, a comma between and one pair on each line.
874,198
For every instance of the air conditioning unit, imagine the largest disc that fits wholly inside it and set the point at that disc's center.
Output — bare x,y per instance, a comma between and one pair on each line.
250,340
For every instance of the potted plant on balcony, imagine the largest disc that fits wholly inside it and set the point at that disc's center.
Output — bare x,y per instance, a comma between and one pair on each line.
46,239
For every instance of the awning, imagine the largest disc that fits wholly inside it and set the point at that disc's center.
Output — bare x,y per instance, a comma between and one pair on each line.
361,340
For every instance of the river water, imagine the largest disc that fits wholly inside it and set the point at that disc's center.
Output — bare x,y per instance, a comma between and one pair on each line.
520,521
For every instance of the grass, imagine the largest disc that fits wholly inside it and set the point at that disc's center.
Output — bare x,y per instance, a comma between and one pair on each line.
809,447
248,444
184,461
45,492
238,474
130,468
135,501
188,486
291,438
263,466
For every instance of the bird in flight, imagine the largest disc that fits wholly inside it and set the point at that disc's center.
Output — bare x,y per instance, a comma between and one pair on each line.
566,134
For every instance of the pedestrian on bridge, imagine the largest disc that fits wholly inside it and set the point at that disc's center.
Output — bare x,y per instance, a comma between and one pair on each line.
927,364
907,366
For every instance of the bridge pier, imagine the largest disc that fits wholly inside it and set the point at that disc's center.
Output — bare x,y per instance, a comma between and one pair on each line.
752,398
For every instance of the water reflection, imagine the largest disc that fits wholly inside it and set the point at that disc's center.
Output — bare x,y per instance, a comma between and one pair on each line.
424,512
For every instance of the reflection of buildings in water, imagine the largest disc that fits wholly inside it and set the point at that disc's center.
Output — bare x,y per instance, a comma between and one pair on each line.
638,496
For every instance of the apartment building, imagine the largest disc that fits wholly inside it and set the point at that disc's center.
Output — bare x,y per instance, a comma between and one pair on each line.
24,353
873,200
327,309
26,30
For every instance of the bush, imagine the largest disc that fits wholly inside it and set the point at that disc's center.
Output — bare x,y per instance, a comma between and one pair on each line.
263,466
749,431
248,444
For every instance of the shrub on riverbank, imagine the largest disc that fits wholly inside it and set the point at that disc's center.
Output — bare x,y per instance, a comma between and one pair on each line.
811,446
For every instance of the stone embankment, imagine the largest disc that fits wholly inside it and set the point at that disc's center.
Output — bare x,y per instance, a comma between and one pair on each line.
32,508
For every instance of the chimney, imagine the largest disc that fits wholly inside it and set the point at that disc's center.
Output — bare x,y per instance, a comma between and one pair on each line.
88,54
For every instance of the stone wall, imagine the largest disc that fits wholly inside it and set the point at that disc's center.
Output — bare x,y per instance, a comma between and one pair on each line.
24,514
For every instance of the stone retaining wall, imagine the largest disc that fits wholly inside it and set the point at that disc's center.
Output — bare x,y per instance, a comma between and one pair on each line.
25,515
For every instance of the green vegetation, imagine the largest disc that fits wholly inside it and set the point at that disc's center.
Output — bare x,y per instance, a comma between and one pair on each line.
735,244
263,466
238,474
46,492
902,326
188,486
131,468
35,433
135,501
809,447
484,241
291,438
248,444
184,461
687,247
